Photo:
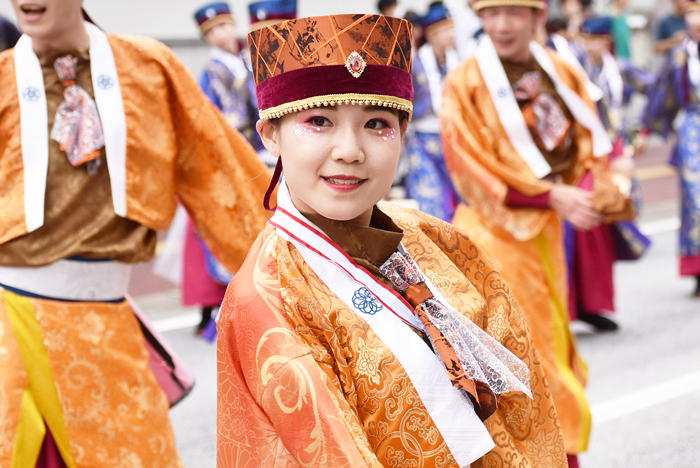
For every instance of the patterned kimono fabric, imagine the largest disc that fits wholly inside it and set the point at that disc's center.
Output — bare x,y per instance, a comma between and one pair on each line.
525,241
676,89
590,254
427,180
76,388
304,380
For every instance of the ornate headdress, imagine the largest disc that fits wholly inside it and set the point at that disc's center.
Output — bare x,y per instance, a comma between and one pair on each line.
480,4
212,14
269,12
332,60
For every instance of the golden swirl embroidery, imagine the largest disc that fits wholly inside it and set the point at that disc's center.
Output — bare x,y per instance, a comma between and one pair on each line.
368,361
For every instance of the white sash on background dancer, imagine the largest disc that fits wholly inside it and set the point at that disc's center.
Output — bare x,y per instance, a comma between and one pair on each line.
34,122
561,45
432,72
693,64
512,118
384,310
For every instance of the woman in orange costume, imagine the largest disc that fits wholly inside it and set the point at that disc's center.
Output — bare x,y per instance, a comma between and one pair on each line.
100,135
357,334
515,143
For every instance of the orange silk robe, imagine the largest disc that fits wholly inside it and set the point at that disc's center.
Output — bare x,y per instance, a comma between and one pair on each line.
304,381
179,146
526,245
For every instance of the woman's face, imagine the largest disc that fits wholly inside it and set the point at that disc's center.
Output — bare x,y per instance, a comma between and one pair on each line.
339,161
47,20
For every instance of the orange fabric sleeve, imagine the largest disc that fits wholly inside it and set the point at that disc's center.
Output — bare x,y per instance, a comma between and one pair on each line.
218,176
276,405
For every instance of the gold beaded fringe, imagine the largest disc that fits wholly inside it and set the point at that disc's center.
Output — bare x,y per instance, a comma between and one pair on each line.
337,100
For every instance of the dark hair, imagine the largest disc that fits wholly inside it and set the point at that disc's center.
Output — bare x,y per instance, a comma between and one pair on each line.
384,4
556,24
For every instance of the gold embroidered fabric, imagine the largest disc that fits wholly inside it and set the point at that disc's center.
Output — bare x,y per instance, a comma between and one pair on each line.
79,218
304,381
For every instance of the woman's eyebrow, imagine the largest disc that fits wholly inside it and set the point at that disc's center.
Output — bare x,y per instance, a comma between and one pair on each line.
379,108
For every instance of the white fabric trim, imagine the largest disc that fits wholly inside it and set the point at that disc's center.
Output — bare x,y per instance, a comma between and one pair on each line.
453,413
34,123
507,108
564,50
71,280
583,114
693,64
426,54
612,73
110,105
34,131
233,62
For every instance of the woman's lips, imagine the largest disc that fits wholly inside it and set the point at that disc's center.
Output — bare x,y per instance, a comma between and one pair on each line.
32,12
342,183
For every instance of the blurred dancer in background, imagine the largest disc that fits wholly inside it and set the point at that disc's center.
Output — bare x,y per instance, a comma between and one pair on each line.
672,29
591,253
428,181
520,134
676,90
9,34
101,135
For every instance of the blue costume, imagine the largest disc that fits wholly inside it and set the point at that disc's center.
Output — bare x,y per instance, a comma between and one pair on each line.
676,89
428,181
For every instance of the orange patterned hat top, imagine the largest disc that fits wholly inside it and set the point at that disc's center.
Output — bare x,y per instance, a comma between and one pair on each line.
481,4
332,60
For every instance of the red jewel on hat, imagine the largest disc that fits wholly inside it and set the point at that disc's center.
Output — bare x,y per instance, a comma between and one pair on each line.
355,64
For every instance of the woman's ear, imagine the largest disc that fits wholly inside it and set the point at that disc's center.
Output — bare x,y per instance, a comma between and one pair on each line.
269,135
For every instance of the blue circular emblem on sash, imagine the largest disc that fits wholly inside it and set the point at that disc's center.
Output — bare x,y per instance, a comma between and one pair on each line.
365,302
30,94
105,81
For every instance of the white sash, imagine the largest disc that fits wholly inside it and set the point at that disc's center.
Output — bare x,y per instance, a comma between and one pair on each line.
34,122
693,64
583,114
432,72
611,71
384,311
564,50
507,108
233,62
511,116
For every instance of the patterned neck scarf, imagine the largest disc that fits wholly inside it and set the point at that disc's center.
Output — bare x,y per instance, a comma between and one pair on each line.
542,113
77,124
475,362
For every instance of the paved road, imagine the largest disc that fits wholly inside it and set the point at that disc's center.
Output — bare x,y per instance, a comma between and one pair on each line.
644,380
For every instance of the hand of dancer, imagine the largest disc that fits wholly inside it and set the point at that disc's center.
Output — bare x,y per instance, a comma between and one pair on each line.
574,205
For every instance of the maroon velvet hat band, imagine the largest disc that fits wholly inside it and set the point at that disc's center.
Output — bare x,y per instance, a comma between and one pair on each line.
333,80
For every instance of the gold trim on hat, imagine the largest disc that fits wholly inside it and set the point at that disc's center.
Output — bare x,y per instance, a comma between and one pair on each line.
337,100
480,4
215,21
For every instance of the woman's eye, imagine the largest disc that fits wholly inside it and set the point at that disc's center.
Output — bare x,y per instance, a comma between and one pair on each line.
376,124
318,121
